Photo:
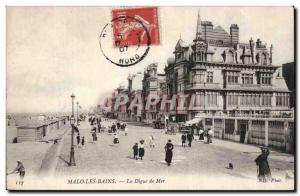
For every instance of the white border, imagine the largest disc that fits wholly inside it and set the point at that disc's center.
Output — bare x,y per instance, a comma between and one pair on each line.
5,3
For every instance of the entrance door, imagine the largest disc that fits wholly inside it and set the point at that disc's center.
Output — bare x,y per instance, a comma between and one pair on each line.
243,133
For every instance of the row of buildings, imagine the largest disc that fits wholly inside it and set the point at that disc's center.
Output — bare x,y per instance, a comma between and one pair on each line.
228,77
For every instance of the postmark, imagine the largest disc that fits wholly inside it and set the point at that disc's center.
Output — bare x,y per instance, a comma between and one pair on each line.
126,40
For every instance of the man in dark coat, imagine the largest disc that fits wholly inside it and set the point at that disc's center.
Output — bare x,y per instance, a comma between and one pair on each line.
135,151
113,128
190,138
118,125
169,152
82,141
78,139
99,127
183,139
264,172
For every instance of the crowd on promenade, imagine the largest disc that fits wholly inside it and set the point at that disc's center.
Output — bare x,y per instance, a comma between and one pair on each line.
115,128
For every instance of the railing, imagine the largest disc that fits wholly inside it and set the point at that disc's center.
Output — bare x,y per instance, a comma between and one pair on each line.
203,85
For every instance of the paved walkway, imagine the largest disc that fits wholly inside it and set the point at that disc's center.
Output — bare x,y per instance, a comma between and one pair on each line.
105,158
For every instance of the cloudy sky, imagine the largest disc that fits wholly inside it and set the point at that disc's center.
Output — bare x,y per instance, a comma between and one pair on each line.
54,51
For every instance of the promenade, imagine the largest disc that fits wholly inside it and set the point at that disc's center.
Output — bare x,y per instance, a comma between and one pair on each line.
103,158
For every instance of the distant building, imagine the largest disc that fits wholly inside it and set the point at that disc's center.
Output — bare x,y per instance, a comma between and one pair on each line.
226,75
135,87
289,74
153,84
121,111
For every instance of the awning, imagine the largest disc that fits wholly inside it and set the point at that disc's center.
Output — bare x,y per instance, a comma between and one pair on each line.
193,121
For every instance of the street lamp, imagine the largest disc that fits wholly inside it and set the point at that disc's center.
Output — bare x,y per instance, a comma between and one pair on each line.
77,113
72,121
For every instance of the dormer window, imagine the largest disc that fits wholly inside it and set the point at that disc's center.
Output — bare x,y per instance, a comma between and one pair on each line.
264,59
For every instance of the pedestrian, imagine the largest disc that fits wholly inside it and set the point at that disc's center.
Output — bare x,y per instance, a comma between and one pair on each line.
210,135
125,130
113,128
190,138
95,136
82,142
169,152
201,134
141,151
78,139
151,142
118,125
183,139
263,170
116,139
99,127
19,169
135,151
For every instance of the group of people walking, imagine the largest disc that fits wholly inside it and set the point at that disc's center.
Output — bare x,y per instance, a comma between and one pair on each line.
187,137
138,150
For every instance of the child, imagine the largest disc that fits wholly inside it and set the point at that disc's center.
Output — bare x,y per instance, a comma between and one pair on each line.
183,139
151,142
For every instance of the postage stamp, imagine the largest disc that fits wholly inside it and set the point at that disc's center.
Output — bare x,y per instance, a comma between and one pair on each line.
143,20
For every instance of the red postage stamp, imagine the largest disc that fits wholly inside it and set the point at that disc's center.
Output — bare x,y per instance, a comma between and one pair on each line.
136,26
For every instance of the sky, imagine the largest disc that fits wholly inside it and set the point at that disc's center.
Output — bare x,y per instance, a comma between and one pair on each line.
52,52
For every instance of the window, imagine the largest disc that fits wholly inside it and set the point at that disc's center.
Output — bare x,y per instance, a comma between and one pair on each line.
209,78
211,98
232,99
266,99
282,99
264,59
257,99
265,78
232,77
201,56
247,78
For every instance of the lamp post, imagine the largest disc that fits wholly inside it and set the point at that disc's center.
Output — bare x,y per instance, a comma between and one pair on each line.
77,113
72,121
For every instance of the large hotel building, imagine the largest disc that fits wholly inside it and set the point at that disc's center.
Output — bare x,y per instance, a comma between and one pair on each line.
236,89
227,76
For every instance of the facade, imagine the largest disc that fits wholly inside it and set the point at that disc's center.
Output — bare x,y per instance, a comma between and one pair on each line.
227,76
153,84
121,111
135,88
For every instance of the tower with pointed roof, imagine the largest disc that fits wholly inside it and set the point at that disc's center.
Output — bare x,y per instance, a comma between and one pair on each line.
200,46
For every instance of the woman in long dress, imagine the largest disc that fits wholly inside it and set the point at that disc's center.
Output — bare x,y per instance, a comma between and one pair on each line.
19,169
141,151
169,152
264,172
